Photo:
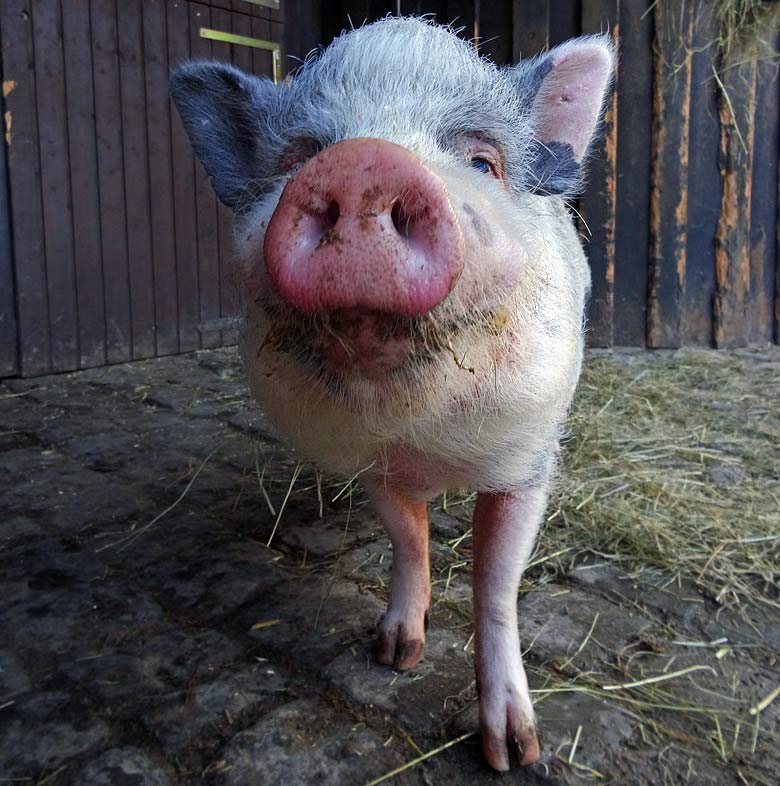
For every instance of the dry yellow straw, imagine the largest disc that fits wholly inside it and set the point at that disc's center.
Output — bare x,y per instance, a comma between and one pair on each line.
765,702
660,678
416,761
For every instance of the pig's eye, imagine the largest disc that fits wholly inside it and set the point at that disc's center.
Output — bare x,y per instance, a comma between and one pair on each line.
483,164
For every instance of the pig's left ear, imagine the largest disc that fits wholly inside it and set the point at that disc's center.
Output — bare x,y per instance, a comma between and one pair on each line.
566,90
225,113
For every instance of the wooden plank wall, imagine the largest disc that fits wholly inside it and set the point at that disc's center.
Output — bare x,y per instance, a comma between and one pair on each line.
112,246
680,215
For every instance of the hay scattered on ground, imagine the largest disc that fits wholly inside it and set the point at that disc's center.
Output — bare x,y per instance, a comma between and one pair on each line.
674,465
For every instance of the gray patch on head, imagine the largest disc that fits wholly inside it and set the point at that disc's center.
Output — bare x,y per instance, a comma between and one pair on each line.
529,76
481,227
555,168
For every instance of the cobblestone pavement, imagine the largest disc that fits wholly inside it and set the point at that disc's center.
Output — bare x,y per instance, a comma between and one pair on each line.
149,635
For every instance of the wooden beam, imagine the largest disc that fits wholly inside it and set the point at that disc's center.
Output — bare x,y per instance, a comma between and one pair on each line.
9,335
669,183
530,28
632,205
765,146
736,108
599,202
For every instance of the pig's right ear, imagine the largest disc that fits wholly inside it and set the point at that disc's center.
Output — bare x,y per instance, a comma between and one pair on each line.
222,109
565,91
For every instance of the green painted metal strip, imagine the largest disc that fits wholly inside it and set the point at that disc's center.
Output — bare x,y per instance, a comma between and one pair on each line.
258,43
267,3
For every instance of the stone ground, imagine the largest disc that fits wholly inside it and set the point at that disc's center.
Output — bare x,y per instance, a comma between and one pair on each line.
150,636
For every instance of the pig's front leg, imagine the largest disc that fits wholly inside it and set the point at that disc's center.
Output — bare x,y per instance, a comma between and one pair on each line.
402,630
505,527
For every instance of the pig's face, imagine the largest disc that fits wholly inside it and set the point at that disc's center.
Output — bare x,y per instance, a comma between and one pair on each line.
402,245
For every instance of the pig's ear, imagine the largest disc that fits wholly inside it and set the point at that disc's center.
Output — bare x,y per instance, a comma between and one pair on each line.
222,109
566,91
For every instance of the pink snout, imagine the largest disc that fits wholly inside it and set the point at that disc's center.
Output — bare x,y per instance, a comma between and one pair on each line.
364,224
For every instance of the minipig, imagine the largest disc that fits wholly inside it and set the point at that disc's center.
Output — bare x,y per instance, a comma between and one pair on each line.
414,291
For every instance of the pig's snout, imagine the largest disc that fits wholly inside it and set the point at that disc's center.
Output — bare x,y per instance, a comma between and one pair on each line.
364,224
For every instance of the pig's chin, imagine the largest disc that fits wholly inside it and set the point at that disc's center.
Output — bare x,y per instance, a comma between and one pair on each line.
358,344
355,343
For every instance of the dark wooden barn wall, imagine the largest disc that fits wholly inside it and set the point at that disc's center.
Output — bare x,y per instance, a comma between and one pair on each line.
681,210
112,246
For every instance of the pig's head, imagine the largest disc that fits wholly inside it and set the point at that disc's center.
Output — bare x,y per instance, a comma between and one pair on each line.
391,196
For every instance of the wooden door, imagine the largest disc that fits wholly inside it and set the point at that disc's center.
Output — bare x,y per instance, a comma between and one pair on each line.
119,248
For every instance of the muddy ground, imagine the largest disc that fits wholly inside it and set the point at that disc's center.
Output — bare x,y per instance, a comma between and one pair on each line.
149,635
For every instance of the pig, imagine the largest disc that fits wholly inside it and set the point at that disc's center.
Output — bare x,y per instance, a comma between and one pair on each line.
414,292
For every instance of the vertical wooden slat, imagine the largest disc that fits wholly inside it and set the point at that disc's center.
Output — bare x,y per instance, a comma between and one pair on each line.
776,336
736,104
85,197
184,191
9,335
634,91
55,184
135,154
158,136
21,133
530,28
262,61
704,187
242,55
598,203
277,15
763,253
494,24
460,14
379,8
669,188
113,225
304,34
437,9
206,205
565,20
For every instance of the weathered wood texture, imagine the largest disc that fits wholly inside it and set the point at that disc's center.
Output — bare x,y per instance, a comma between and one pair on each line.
112,246
669,185
9,354
680,212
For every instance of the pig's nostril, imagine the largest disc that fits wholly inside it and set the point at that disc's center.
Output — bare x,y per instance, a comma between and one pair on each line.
401,219
332,213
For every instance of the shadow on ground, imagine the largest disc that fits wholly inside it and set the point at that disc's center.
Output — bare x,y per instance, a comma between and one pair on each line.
149,635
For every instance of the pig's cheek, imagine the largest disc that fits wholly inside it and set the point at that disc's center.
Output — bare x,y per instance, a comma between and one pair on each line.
249,271
494,260
491,272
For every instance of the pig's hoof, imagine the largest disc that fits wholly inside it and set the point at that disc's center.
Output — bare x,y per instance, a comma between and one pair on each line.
507,734
520,742
397,649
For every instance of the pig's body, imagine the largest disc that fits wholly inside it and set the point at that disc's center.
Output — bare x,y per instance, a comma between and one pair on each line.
414,292
484,416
